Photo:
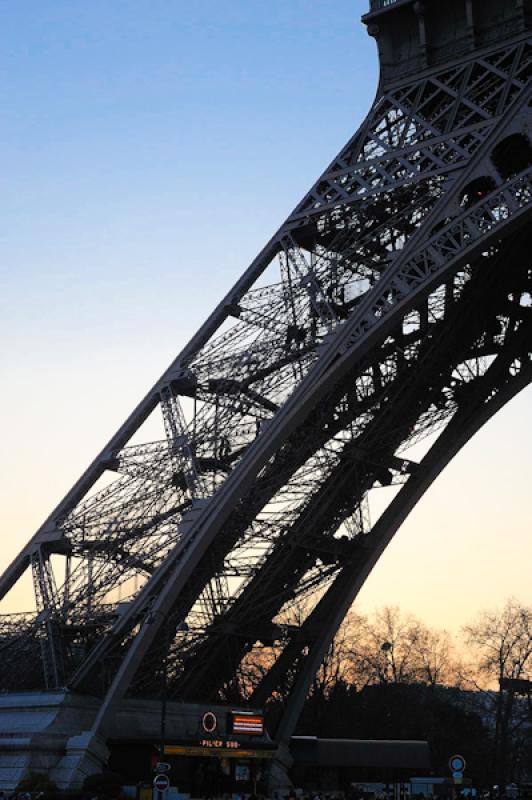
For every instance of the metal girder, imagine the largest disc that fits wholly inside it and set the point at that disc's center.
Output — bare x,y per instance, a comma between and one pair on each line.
347,340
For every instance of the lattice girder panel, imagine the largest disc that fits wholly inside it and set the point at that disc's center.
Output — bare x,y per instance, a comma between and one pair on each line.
424,129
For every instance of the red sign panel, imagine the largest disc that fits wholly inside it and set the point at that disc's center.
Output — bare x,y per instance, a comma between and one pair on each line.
250,724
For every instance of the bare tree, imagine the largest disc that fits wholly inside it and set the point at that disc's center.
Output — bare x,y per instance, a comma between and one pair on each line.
437,662
341,662
502,643
398,648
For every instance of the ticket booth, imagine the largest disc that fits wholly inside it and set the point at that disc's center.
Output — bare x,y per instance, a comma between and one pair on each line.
208,751
230,755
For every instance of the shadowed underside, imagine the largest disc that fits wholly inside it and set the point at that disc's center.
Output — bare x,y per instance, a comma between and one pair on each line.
392,309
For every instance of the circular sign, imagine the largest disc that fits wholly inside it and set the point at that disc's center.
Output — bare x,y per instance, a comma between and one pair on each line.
161,783
209,722
457,763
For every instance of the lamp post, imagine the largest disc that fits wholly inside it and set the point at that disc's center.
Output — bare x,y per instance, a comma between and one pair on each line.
510,687
180,627
386,648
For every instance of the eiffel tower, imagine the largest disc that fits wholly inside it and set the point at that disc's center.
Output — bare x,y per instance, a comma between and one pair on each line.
226,528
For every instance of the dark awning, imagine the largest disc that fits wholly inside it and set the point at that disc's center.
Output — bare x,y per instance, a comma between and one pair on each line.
360,752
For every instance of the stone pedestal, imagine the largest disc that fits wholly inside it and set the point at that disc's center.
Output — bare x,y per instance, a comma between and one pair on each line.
35,731
85,754
279,784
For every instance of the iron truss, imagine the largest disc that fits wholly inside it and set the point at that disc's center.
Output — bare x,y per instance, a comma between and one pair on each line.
384,323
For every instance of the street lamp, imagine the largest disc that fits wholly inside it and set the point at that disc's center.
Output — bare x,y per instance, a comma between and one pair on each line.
386,648
180,627
519,686
512,687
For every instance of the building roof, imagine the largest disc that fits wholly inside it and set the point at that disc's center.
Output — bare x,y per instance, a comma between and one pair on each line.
360,752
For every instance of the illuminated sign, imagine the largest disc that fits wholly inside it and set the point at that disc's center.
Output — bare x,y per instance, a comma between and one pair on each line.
247,723
218,752
216,744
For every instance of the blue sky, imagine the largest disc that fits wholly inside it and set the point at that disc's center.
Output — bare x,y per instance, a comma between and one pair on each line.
148,149
138,136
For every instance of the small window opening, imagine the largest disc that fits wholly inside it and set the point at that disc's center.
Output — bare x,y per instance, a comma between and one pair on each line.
512,155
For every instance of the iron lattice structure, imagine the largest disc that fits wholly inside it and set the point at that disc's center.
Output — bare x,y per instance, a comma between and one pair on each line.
392,306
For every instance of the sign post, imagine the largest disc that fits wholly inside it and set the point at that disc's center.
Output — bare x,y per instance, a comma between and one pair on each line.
457,765
161,784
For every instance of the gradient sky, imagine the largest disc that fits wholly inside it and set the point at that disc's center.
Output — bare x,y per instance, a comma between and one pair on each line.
149,148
